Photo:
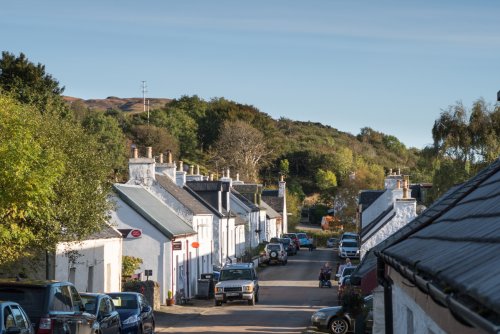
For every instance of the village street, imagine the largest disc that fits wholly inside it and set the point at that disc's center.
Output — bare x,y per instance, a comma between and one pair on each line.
288,297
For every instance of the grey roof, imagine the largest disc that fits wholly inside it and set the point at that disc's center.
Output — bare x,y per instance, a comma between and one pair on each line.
270,192
107,232
245,200
153,210
277,203
367,197
451,250
183,196
270,212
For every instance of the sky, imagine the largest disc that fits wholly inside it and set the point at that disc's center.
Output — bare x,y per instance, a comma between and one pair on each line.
393,66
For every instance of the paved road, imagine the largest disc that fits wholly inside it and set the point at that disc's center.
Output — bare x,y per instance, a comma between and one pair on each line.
288,297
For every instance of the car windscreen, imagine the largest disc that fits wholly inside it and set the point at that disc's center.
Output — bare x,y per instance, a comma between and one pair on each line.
31,299
124,301
285,241
235,274
90,303
349,244
302,235
273,247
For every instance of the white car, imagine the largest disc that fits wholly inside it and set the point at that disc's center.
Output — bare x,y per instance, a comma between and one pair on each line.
275,253
349,248
332,242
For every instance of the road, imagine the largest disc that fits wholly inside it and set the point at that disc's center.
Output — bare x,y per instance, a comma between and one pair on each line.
289,295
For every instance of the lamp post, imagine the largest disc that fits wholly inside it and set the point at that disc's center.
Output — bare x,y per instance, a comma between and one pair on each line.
498,96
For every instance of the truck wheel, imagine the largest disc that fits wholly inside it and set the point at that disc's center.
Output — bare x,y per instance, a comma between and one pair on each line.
252,301
218,303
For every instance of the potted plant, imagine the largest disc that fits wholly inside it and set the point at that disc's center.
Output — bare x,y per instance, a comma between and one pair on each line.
170,298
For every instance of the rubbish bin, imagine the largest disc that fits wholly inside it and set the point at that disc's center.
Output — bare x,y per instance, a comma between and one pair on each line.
203,288
206,278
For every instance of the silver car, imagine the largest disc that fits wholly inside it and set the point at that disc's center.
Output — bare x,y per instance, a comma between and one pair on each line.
237,282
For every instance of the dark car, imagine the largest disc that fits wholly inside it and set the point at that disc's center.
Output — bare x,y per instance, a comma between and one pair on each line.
13,319
136,314
294,238
101,305
337,321
288,244
53,307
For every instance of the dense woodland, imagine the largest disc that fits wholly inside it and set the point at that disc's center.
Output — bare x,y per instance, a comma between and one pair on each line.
59,155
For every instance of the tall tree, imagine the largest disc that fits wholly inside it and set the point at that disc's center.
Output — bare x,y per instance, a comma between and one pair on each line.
29,83
241,148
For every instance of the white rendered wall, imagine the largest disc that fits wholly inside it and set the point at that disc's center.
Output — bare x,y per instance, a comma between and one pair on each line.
406,310
104,255
381,204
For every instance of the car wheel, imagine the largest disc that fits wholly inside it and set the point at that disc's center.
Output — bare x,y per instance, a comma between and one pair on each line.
252,301
320,285
218,303
338,326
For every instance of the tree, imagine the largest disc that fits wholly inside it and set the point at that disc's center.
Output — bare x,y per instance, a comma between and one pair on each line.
158,138
54,181
30,84
242,149
109,134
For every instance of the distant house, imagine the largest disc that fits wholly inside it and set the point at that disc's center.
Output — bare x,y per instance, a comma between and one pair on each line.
94,264
440,272
276,199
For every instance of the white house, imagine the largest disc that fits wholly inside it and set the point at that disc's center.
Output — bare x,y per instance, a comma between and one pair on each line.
276,199
93,265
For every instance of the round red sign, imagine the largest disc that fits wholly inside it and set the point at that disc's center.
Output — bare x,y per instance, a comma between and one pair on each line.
136,233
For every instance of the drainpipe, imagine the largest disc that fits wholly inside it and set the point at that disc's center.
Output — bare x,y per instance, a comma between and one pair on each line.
227,235
187,269
387,284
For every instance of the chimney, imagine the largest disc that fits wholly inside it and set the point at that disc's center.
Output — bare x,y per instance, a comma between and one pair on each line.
282,187
180,176
141,170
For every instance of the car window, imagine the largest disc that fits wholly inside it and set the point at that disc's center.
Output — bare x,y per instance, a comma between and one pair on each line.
301,235
273,247
102,306
349,244
77,300
8,318
62,299
89,302
235,274
19,317
125,301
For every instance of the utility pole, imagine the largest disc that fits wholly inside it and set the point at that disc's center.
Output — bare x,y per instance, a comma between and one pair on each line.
144,91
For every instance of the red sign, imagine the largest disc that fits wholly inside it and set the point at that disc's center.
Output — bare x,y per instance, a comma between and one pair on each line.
195,244
136,233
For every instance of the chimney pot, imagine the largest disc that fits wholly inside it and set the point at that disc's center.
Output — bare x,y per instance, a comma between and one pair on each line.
197,169
390,171
181,168
282,178
399,184
161,158
211,176
136,153
237,176
169,157
228,172
191,170
149,152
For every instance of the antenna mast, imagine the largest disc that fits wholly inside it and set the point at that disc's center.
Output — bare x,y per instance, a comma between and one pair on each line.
144,91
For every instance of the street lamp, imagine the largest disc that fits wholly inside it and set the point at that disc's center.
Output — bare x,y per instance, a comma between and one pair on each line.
498,96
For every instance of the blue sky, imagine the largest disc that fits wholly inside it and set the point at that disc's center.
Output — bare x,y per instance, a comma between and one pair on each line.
389,65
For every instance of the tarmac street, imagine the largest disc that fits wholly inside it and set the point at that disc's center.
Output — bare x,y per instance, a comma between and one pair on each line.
289,295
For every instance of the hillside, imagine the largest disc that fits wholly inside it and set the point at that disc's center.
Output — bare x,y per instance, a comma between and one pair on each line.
130,105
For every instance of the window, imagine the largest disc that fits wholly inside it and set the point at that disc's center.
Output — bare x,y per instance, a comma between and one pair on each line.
8,318
20,318
77,300
62,299
409,321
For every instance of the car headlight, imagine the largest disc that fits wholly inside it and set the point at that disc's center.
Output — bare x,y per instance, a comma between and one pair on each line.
219,289
247,288
130,320
319,316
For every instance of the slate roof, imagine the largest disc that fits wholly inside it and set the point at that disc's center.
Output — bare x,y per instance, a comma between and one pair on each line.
108,232
451,250
153,210
245,201
182,195
270,212
367,197
277,203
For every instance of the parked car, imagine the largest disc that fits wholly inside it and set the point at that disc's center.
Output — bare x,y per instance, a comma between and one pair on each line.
344,271
337,320
237,281
13,319
136,314
349,248
275,253
288,244
332,243
53,307
101,305
304,240
294,238
349,235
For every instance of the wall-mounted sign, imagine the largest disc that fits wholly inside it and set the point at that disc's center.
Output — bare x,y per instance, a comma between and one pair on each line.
195,244
130,233
176,245
148,272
